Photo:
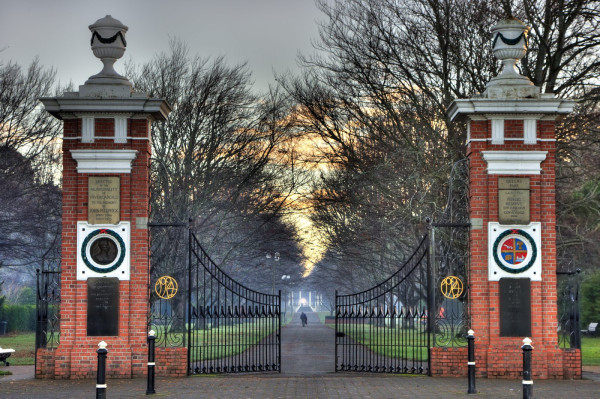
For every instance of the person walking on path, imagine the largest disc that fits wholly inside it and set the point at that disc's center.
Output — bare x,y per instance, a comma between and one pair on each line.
304,319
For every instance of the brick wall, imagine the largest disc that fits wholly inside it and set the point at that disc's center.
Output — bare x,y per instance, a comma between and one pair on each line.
449,362
171,362
503,357
571,364
76,355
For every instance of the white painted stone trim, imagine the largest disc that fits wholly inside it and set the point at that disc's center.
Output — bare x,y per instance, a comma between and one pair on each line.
103,161
529,131
87,129
477,140
550,107
469,132
102,115
120,129
484,140
514,162
71,103
497,131
128,138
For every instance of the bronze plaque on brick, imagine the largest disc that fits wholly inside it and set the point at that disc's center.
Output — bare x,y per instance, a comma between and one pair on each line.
103,306
513,200
104,199
515,307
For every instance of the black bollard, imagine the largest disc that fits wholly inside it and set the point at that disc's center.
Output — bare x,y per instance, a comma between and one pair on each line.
101,376
471,361
527,380
151,338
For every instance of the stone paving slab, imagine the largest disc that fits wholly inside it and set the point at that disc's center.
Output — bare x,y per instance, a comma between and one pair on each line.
279,386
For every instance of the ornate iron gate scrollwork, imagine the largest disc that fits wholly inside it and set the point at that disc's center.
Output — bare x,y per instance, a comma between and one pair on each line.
168,258
47,330
232,328
450,262
386,328
569,327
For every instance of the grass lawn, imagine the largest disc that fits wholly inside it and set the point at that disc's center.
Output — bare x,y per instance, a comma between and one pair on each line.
396,343
24,346
223,341
322,316
590,351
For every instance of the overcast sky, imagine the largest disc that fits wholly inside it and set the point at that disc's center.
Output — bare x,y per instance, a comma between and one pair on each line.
266,33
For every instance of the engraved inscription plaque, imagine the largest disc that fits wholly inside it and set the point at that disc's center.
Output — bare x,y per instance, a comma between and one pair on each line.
515,307
104,199
513,183
513,200
103,306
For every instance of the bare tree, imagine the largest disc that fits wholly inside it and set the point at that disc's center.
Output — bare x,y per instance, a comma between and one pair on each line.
222,159
29,161
376,94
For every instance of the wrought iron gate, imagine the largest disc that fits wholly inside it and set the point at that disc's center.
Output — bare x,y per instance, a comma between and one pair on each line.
232,328
386,328
450,263
47,327
569,332
227,327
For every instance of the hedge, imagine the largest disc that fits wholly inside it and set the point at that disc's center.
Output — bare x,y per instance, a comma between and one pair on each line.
20,318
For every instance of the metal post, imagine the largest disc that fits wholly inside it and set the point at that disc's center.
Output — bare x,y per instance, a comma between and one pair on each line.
101,376
279,331
430,298
336,330
151,338
189,298
527,378
471,361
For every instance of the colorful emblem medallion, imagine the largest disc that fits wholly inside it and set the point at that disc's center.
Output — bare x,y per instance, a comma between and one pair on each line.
514,251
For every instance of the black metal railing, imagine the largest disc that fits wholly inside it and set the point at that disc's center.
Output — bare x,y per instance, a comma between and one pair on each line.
387,328
231,328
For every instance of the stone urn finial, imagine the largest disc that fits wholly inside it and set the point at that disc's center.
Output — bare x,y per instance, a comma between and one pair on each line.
509,45
108,43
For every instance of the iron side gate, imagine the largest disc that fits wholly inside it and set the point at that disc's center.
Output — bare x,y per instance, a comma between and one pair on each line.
232,328
386,328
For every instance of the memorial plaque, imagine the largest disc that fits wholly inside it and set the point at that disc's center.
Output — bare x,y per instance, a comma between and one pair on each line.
515,307
513,183
103,306
513,200
104,199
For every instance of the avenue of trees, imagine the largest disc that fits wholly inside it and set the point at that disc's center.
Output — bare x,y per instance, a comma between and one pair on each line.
358,140
376,95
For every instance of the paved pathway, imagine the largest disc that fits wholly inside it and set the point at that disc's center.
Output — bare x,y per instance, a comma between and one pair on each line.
307,350
307,372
